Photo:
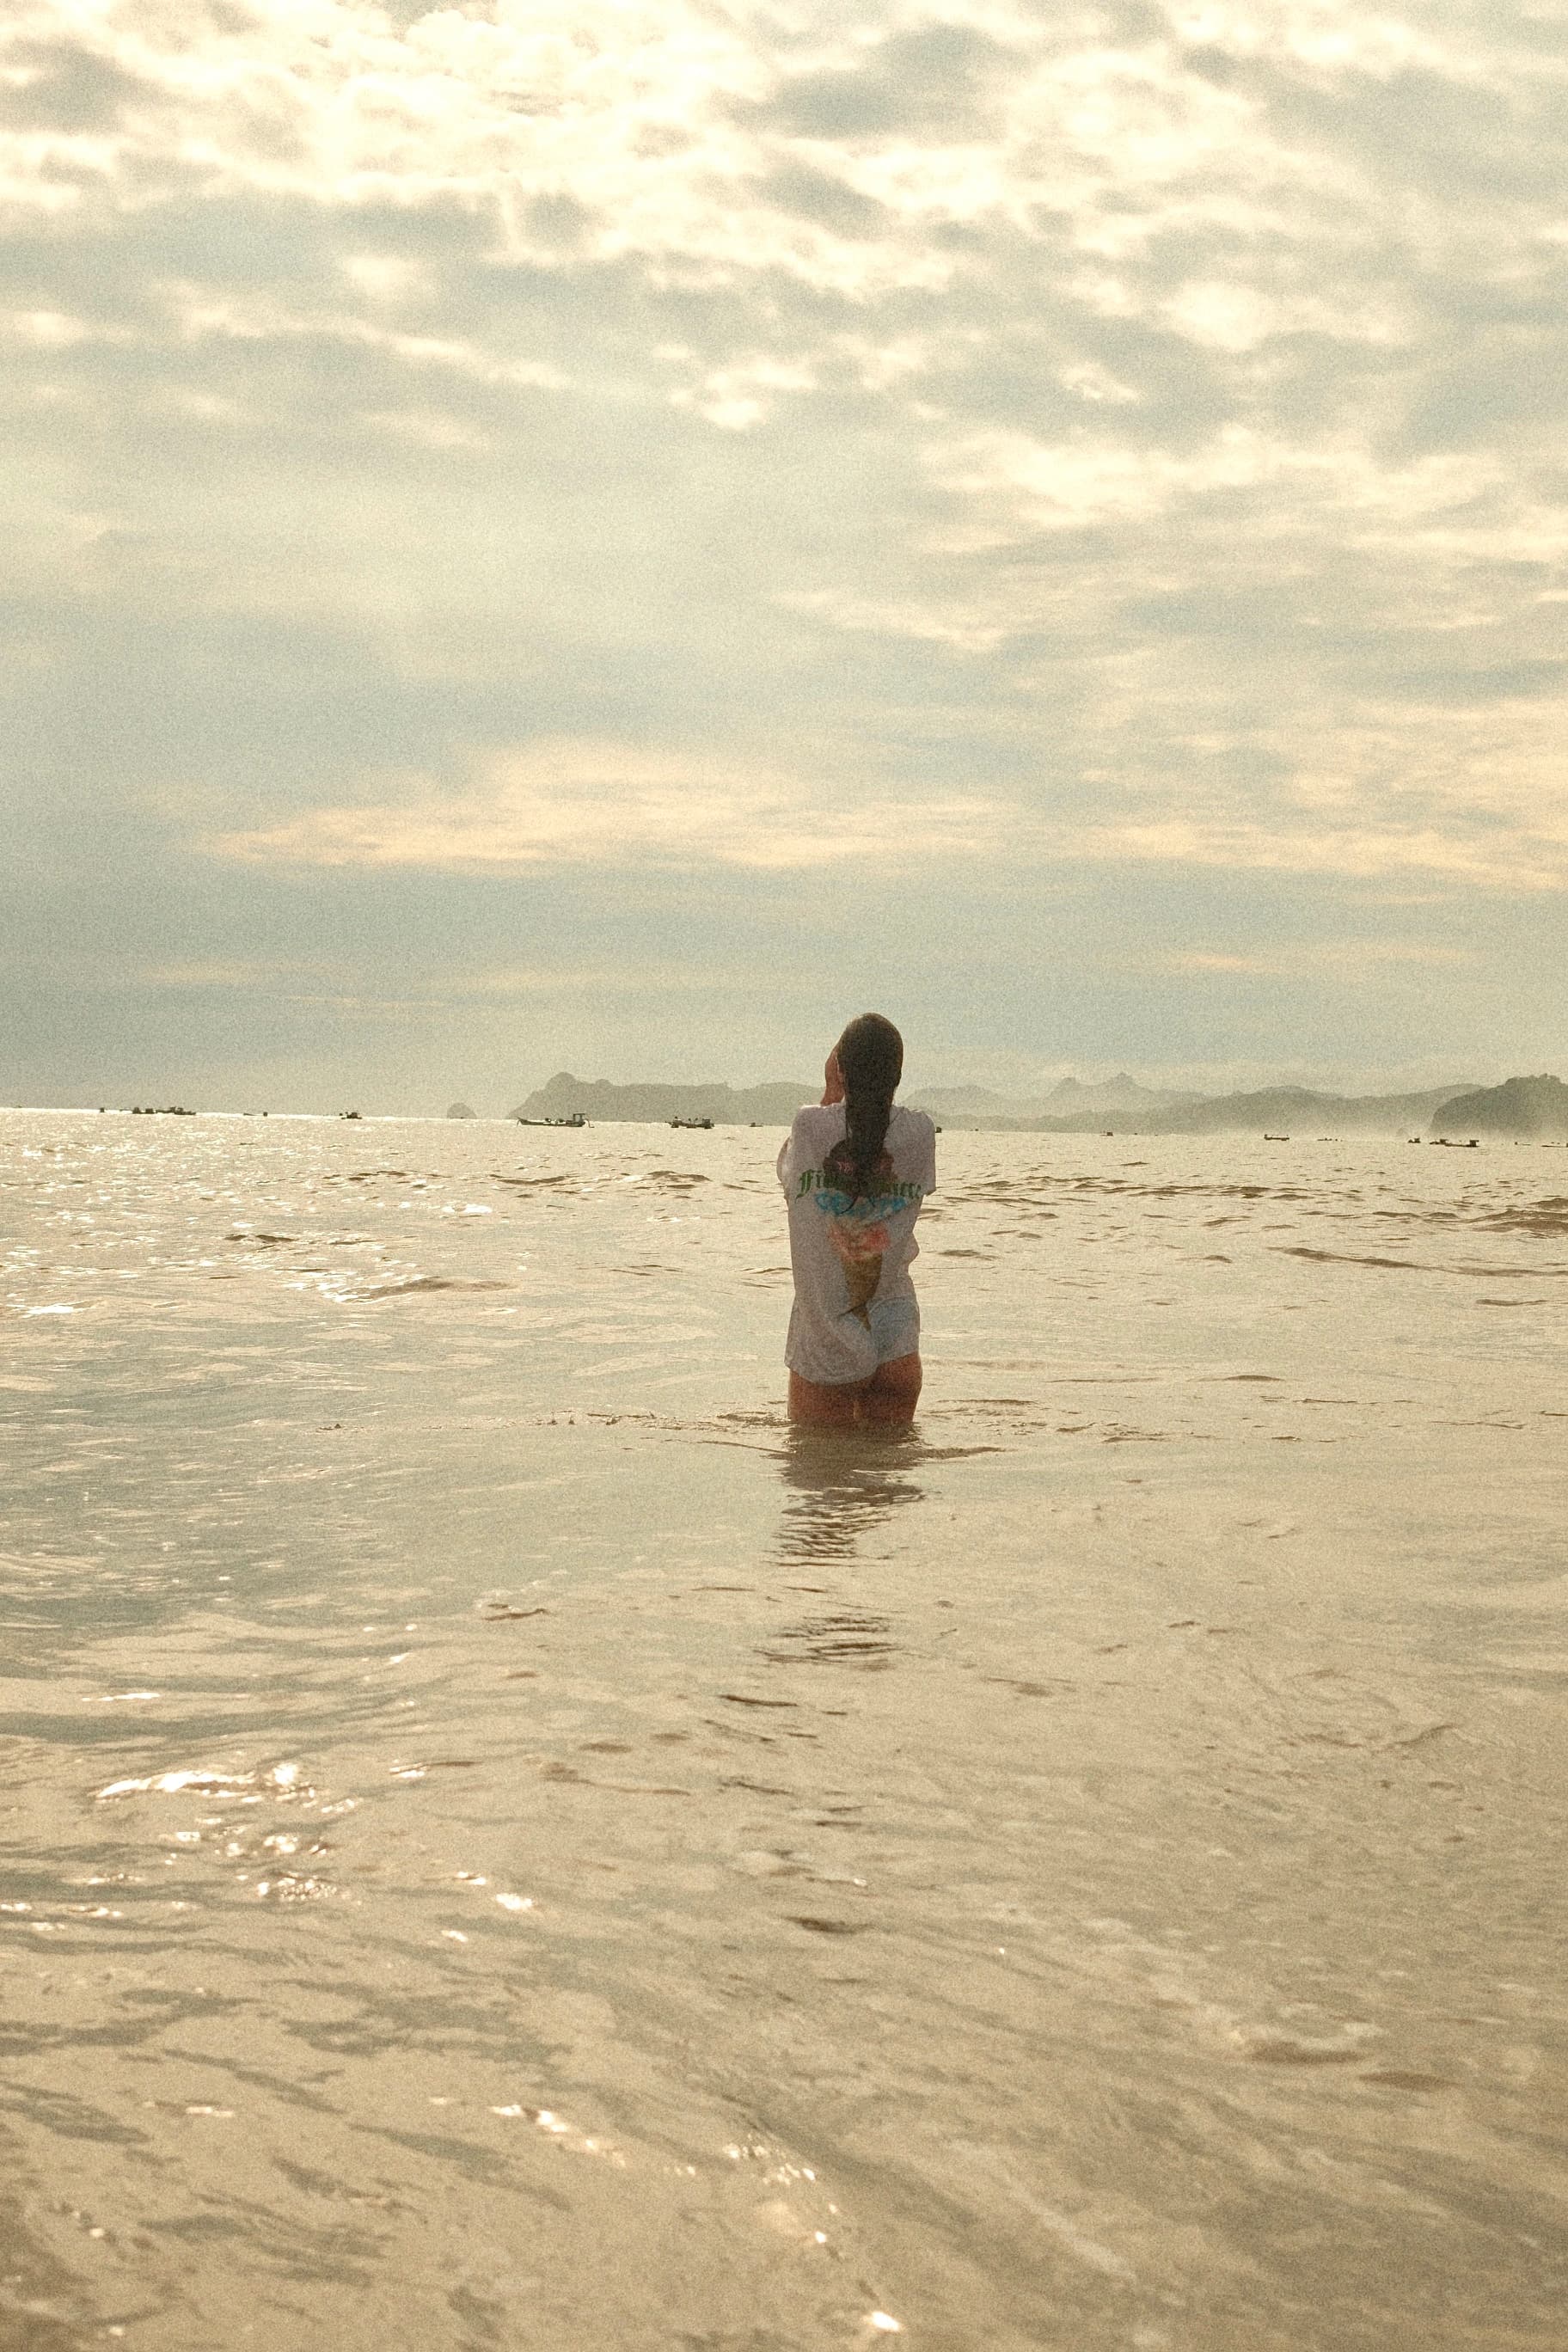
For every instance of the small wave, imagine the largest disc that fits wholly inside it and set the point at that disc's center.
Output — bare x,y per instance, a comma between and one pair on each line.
1272,2046
429,1282
1346,1257
1544,1217
1548,1216
282,1780
1423,1265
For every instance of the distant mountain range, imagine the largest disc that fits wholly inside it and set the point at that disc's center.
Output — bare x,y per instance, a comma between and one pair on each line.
1121,1107
1071,1098
1528,1107
1534,1109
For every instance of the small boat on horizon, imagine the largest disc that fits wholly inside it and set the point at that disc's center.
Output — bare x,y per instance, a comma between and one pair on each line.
573,1119
691,1122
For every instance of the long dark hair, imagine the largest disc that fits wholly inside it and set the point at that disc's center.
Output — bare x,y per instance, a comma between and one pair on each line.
871,1059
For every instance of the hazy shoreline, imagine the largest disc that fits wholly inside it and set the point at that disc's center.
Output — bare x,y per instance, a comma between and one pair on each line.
1523,1109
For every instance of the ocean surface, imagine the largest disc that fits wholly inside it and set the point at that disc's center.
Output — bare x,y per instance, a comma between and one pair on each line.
505,1844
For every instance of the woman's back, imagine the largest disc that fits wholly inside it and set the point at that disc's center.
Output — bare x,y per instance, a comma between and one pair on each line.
851,1248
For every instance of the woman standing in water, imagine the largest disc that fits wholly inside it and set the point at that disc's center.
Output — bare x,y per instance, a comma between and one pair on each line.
855,1171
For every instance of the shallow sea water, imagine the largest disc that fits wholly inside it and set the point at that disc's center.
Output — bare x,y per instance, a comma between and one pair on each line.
506,1844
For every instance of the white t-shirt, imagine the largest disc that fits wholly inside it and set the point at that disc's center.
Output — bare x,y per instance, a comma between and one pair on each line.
851,1258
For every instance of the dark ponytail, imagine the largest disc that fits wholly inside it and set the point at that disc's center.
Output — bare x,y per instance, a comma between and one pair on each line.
871,1059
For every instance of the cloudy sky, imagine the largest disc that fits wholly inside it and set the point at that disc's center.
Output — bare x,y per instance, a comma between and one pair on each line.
615,533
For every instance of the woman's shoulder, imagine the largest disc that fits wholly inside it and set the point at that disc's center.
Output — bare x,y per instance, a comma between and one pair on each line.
912,1139
814,1130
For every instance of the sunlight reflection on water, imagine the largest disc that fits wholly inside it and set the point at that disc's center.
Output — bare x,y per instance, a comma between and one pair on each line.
506,1841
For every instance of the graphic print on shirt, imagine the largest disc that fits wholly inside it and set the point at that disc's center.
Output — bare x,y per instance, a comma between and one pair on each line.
858,1225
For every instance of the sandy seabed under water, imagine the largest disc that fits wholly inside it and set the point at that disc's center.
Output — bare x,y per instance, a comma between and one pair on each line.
505,1844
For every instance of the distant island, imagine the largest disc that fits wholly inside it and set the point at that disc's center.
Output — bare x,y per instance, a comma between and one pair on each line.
1532,1109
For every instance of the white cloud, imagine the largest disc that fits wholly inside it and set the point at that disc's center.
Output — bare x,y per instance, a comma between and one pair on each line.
1366,961
598,804
237,972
